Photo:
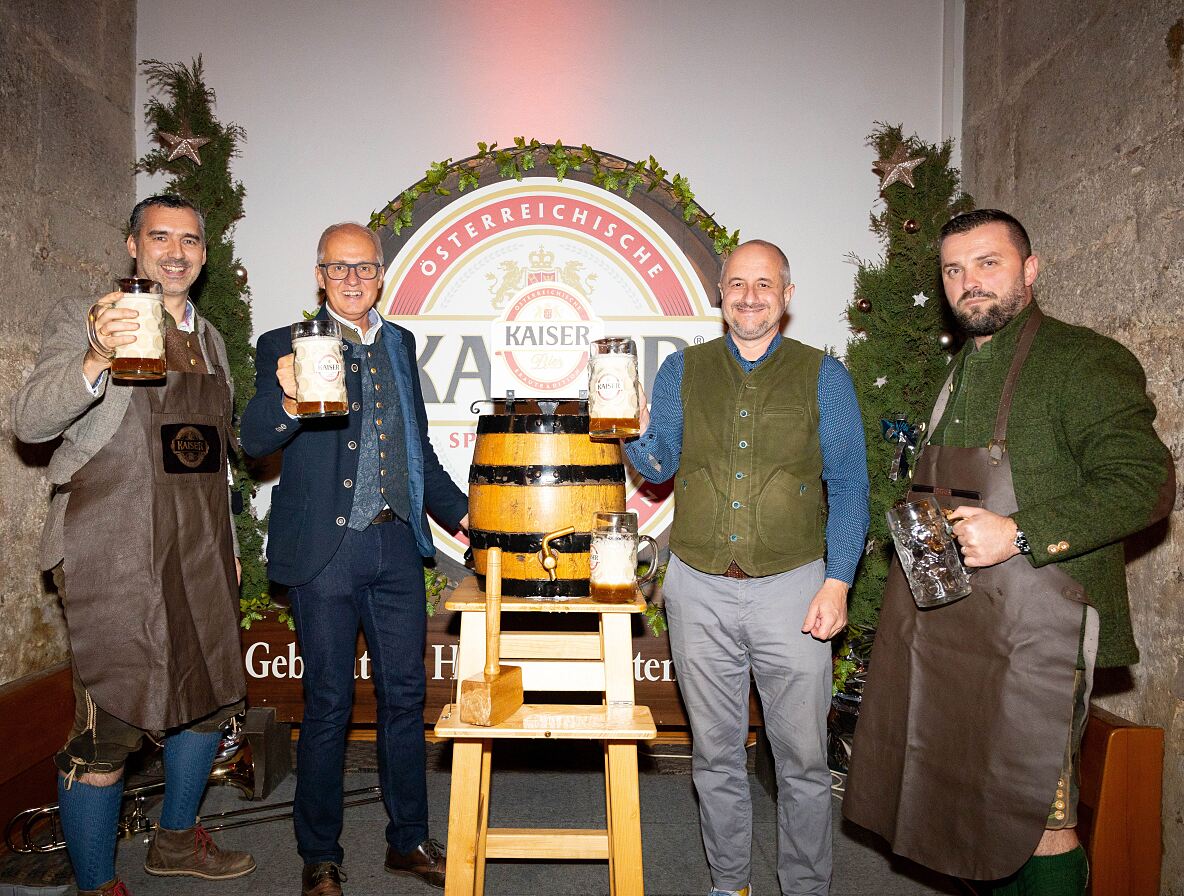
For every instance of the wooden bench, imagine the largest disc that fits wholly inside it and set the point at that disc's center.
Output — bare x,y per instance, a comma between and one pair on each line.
598,662
1120,807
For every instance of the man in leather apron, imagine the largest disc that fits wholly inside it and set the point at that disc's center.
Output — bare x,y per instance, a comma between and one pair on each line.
1042,448
140,542
347,533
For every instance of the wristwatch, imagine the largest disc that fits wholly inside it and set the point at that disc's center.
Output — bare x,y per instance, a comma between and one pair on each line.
1021,542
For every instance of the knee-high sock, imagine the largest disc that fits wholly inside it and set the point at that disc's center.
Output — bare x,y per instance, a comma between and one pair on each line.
1064,874
188,757
90,820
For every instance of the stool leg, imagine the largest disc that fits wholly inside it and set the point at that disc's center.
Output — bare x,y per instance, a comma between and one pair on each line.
624,825
463,811
483,818
608,820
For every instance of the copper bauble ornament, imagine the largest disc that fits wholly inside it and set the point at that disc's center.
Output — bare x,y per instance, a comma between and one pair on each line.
911,226
240,275
864,305
945,340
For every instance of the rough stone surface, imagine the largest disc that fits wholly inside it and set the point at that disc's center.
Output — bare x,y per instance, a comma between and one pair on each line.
1074,122
67,86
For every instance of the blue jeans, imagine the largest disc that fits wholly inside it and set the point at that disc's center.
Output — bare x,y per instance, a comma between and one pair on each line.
375,580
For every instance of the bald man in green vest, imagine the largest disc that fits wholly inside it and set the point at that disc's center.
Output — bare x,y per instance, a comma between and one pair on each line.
752,426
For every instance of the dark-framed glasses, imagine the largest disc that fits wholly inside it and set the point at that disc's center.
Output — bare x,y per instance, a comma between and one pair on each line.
339,270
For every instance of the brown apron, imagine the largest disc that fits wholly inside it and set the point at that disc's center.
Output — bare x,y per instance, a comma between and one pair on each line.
151,600
967,706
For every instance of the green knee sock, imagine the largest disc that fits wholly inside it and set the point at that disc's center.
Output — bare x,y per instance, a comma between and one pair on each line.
1064,874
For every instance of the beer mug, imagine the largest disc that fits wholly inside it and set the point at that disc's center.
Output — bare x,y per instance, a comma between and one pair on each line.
144,358
612,389
928,553
613,557
319,369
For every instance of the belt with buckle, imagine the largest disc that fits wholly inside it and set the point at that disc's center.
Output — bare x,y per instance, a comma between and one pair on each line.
384,516
735,572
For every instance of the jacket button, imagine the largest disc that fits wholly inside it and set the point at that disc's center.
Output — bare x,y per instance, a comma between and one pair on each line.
349,483
356,406
739,475
744,413
733,538
353,446
1063,545
282,427
743,444
382,436
374,370
378,404
735,505
1054,548
341,521
354,368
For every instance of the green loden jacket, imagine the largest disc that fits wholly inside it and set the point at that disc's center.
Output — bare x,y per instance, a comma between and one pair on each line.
1088,467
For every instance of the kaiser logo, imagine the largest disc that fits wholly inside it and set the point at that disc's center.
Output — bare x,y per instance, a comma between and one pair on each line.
329,368
190,446
506,287
542,339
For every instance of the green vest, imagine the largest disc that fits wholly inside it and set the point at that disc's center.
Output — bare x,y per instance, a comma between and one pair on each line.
749,484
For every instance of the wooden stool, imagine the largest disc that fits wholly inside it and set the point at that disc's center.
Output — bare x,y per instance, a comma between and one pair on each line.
593,661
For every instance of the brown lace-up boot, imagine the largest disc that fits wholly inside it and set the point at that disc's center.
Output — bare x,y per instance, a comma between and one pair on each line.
322,879
195,854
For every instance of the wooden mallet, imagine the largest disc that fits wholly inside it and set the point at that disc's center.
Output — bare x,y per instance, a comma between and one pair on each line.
491,698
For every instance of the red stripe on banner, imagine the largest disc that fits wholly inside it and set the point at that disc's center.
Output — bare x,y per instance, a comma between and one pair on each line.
502,216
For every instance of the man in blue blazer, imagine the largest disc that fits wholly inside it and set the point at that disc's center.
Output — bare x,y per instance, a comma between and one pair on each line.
347,535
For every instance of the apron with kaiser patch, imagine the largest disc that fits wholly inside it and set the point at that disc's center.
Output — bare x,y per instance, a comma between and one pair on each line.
151,600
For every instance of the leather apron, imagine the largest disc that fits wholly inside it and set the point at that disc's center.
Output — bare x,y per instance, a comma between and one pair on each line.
968,706
151,600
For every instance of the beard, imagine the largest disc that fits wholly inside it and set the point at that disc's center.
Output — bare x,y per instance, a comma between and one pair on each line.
989,320
752,329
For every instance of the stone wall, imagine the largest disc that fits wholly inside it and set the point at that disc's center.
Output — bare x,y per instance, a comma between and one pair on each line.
1074,122
67,92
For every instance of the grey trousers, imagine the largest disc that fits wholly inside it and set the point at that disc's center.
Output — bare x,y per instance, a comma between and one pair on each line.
722,629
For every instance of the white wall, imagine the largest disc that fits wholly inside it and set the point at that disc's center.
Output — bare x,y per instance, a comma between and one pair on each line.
763,105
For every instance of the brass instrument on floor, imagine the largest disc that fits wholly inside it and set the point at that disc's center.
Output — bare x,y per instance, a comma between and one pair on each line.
38,830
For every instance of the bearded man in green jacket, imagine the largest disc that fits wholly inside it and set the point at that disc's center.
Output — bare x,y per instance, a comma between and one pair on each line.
1041,448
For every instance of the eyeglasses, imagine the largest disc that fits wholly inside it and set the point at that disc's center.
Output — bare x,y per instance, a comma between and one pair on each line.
339,270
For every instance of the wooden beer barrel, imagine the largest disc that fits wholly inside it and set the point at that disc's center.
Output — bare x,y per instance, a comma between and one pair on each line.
534,473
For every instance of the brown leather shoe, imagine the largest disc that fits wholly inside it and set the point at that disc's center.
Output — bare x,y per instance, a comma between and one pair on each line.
193,853
114,887
426,862
322,879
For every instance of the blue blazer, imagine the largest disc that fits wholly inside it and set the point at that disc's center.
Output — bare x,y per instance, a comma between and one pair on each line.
311,504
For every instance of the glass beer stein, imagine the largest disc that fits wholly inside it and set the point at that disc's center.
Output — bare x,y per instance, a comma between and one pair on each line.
319,369
613,557
928,553
612,389
144,358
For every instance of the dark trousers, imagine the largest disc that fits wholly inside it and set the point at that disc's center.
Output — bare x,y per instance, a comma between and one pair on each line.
375,581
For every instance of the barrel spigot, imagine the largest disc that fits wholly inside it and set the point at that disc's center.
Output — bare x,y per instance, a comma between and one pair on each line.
548,556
